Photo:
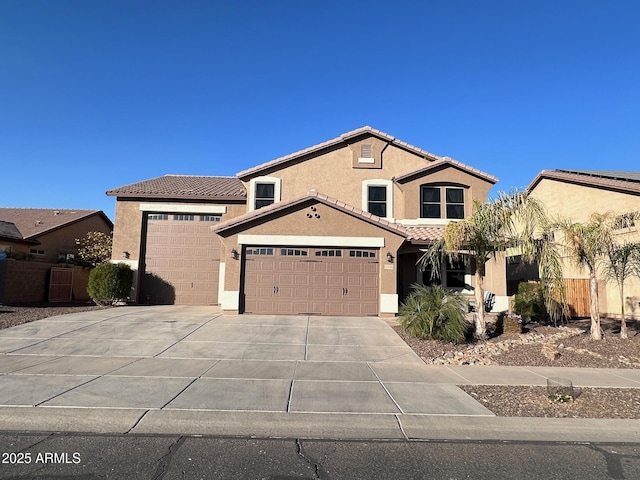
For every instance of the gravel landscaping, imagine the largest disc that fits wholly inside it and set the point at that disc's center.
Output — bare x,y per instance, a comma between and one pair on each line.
546,346
12,315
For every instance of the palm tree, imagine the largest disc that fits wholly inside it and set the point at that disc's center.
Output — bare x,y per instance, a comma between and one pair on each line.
623,261
513,220
588,244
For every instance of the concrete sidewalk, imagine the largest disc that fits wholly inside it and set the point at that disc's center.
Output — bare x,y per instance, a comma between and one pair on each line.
189,370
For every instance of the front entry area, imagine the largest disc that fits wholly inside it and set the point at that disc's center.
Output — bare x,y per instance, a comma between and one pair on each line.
313,281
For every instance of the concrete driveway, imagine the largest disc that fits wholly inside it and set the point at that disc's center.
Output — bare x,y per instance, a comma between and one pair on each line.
144,360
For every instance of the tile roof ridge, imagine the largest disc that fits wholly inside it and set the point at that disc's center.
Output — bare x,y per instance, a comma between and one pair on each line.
52,209
337,140
196,176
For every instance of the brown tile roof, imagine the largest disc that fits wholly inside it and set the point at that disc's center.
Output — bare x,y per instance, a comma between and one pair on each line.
336,141
411,233
447,161
627,182
32,222
424,234
184,186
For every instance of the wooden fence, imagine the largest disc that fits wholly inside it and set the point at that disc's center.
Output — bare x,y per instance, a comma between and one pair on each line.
25,282
576,292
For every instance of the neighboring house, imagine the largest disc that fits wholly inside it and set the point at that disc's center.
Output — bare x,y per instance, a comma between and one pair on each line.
575,195
48,235
336,228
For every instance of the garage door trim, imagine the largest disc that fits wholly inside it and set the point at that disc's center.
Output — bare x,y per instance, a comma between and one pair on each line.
310,241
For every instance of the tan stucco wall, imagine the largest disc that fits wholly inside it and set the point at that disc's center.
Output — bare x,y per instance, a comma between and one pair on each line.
127,228
64,239
495,279
474,189
332,222
577,203
127,233
333,174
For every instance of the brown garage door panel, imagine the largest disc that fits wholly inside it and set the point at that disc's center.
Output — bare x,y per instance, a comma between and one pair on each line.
182,262
330,283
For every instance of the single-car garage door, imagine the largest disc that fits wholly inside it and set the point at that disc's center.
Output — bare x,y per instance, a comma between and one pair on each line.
182,260
318,281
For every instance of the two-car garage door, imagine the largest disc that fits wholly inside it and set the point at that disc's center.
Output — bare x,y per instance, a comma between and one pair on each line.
301,280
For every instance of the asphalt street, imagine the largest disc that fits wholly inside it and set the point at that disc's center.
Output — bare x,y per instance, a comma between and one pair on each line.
68,456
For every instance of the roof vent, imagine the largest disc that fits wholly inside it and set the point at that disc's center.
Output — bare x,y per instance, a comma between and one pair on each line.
57,212
38,222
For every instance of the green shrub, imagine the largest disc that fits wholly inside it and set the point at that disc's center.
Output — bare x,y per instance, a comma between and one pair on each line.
436,313
529,300
110,283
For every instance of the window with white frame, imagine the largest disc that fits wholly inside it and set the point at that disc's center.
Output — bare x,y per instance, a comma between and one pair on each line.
265,194
377,198
263,191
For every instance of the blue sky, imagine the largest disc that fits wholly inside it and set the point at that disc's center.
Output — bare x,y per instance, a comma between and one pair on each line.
98,94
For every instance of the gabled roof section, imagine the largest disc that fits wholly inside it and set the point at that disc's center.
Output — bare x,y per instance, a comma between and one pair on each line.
446,161
32,222
419,234
185,187
9,230
342,139
627,182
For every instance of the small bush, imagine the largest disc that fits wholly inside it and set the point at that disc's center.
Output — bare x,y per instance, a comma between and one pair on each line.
110,283
436,313
93,249
529,300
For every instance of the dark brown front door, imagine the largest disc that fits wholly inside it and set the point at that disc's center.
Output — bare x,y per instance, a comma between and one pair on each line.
318,281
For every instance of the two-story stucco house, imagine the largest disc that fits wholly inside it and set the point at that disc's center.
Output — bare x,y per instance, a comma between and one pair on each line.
577,194
335,229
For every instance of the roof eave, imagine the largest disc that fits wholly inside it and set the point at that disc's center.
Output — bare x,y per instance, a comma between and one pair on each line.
66,224
444,163
223,198
26,241
345,137
372,219
579,179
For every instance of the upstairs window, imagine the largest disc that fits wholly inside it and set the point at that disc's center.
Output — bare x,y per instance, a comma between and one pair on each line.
431,204
377,200
265,194
455,203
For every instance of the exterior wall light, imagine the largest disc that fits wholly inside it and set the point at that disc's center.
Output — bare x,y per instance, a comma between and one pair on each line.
234,254
389,257
126,254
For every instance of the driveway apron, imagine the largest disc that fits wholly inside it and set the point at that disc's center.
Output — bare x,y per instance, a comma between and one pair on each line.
174,358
